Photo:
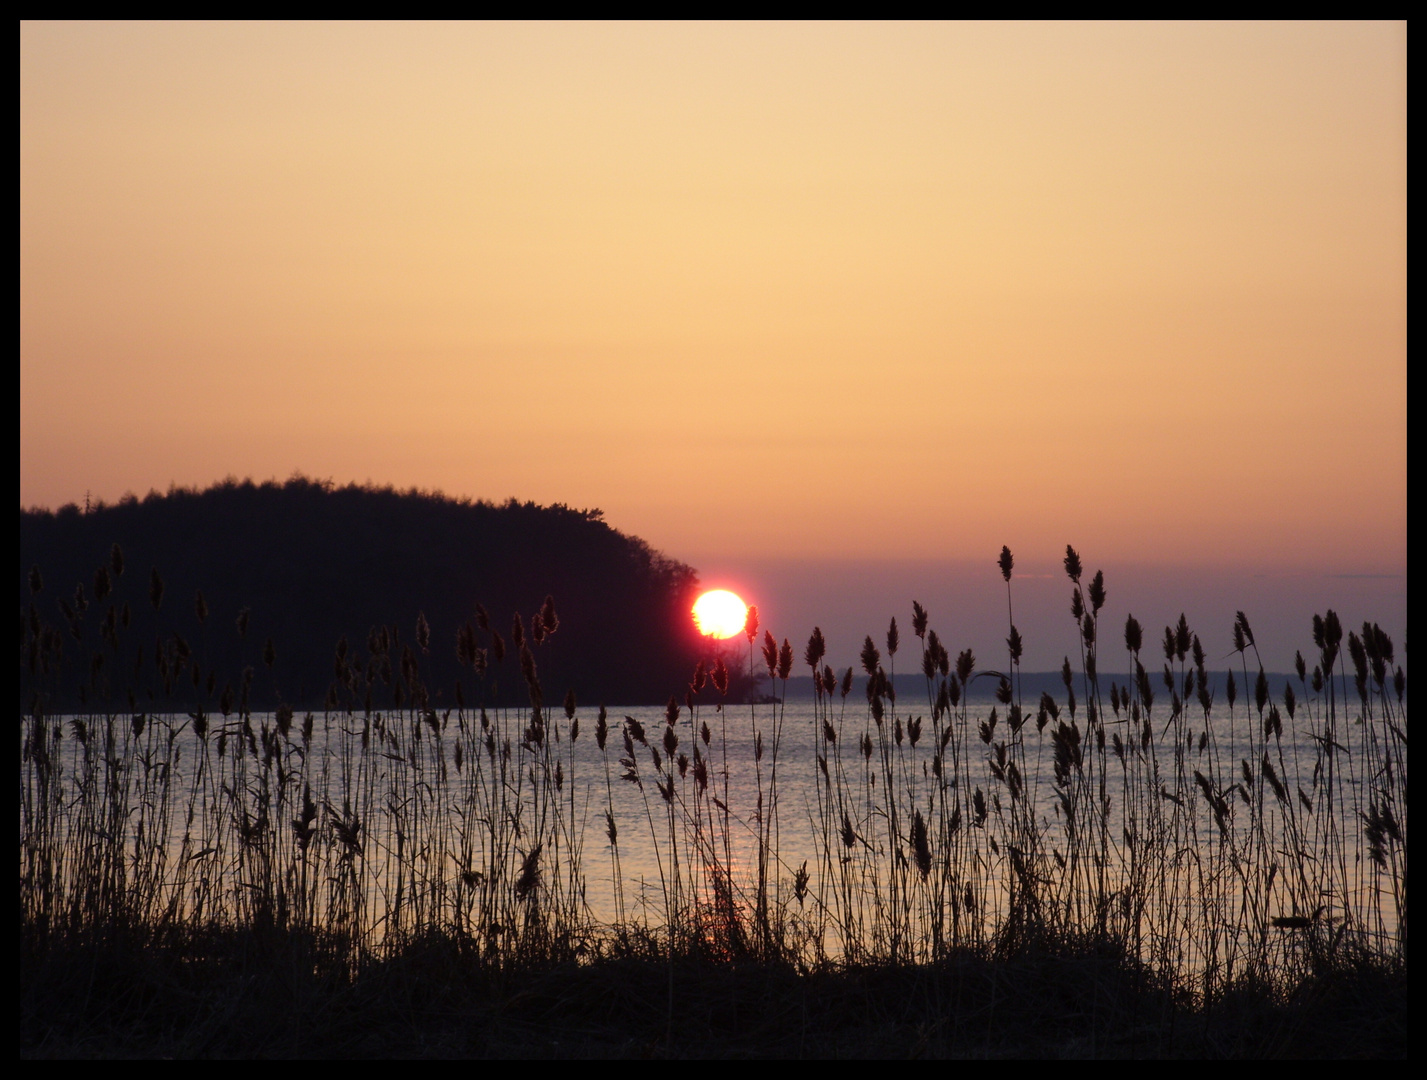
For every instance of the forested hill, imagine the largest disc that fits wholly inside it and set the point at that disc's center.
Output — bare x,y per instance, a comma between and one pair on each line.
313,564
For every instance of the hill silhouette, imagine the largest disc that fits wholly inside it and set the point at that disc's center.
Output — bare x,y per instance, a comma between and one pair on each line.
315,564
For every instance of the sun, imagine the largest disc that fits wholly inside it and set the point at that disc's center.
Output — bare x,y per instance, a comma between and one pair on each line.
720,614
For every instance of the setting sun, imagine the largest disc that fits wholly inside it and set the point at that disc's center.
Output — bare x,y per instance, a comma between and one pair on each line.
720,614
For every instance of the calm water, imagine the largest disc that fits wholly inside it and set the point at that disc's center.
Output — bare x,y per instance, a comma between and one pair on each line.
384,783
798,799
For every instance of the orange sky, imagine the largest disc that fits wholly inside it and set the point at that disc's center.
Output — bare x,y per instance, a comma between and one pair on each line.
864,291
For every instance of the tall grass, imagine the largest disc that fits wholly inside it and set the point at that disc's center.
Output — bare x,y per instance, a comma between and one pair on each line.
1179,829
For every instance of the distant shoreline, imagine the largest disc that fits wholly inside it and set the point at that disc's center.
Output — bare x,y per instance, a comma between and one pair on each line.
982,689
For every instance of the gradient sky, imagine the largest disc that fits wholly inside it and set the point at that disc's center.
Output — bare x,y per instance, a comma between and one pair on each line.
774,292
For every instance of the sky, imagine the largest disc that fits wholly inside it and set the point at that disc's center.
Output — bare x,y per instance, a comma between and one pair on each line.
794,303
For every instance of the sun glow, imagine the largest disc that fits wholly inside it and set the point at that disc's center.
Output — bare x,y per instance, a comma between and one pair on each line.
720,614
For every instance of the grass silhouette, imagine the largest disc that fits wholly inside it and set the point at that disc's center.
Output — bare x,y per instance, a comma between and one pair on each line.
198,878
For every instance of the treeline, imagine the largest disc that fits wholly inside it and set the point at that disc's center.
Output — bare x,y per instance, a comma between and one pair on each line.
297,572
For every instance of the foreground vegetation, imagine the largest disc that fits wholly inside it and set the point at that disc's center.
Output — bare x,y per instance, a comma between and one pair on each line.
254,996
1158,868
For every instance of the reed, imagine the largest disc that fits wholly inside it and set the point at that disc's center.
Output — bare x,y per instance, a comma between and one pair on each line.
1204,849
